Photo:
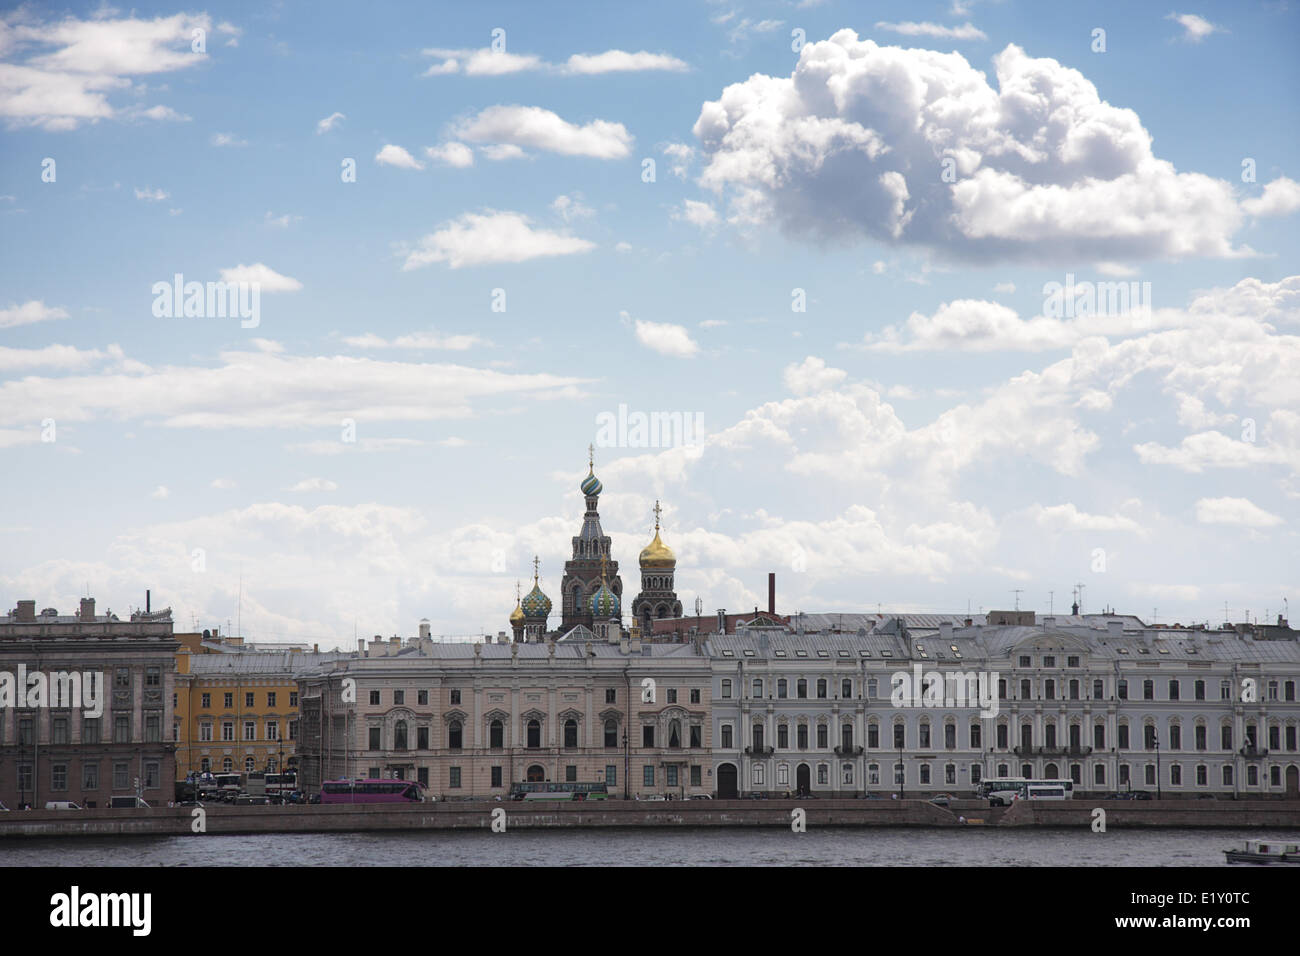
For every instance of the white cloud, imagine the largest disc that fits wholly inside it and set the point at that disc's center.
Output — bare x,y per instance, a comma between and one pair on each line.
227,139
360,446
59,74
1235,511
159,493
666,339
481,62
539,128
697,214
812,375
53,356
620,61
1005,288
314,484
679,158
572,207
491,237
452,154
502,151
1067,517
329,122
280,222
966,31
1280,197
420,340
222,484
33,310
392,155
1195,29
150,195
263,276
846,148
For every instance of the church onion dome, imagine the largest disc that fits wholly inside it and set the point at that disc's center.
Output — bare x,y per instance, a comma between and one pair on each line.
536,605
591,485
604,603
517,616
657,554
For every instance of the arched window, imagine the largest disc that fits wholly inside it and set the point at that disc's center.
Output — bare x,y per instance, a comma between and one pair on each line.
496,734
821,688
674,733
1050,772
846,738
227,765
570,733
205,765
801,688
399,735
455,736
758,737
534,733
726,736
611,733
249,765
846,689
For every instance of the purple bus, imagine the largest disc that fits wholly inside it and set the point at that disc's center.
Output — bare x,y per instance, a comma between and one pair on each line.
371,791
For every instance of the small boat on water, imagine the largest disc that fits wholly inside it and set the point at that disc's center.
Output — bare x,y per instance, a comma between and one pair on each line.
1265,851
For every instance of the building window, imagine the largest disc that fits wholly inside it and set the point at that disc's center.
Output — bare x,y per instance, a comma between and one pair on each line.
270,698
821,737
374,698
821,688
455,736
647,736
781,689
207,700
248,699
205,765
950,774
925,774
453,781
293,730
873,735
726,737
250,730
272,730
949,737
90,775
375,741
1098,689
611,733
697,735
757,737
496,776
924,743
1049,661
153,728
570,733
801,688
1121,689
611,775
122,677
782,736
421,738
571,773
802,735
648,775
672,695
399,697
455,697
611,695
757,775
976,735
59,730
670,775
122,774
534,734
899,731
726,689
399,735
758,688
697,777
1122,730
496,734
121,728
695,695
205,732
422,775
1174,689
59,776
227,765
422,698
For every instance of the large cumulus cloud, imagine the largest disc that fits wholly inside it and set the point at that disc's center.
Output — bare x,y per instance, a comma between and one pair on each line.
856,141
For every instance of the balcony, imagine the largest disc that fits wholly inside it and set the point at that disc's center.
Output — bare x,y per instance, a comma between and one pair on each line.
1252,753
759,751
1056,750
848,751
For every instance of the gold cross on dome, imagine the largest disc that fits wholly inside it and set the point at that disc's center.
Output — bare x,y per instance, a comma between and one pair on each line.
536,562
591,458
657,510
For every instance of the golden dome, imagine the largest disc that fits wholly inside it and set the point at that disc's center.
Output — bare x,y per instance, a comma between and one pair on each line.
657,554
517,615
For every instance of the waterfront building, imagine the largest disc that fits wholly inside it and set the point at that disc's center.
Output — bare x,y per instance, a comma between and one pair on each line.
63,750
1103,700
468,720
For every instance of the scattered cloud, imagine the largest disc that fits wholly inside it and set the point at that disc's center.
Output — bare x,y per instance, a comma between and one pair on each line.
392,155
266,278
33,310
491,237
537,128
329,122
966,31
1234,511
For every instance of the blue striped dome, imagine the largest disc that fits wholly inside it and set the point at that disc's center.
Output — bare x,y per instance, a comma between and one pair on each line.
591,485
604,604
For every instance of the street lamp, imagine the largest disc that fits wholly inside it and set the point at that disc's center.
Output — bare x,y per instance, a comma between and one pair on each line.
1157,743
902,772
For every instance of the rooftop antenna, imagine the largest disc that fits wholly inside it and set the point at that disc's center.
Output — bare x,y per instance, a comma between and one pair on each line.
1225,613
1079,594
1016,592
1051,602
239,608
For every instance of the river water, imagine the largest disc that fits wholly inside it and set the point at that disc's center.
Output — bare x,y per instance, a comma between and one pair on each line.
825,846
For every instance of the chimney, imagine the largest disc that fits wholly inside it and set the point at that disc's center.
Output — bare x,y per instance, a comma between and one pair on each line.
424,628
87,610
945,630
722,620
501,635
147,601
26,612
361,646
771,593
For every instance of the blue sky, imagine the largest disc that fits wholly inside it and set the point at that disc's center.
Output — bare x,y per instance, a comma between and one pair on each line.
920,437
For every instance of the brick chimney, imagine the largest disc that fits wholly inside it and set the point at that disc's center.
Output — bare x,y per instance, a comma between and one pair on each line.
87,609
27,612
771,593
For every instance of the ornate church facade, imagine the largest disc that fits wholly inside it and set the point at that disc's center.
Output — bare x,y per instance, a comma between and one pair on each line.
591,590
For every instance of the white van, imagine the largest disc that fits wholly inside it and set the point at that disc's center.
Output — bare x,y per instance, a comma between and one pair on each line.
1046,793
61,805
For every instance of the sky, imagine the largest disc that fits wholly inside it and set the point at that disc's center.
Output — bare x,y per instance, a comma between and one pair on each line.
969,304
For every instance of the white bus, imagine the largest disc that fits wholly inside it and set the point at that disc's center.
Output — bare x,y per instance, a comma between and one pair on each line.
1000,791
1039,792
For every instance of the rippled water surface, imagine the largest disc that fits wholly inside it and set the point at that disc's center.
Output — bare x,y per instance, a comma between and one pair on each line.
649,847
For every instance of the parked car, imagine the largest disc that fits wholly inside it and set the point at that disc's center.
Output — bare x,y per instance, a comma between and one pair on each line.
251,800
701,796
1142,795
942,799
61,805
